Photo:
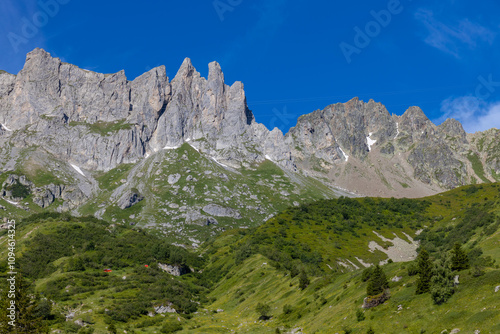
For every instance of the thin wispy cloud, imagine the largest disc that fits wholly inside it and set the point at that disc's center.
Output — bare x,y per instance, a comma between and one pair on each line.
452,38
474,114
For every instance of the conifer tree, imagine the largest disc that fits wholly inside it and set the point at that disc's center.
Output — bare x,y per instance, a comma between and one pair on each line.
459,259
27,319
377,282
303,280
424,272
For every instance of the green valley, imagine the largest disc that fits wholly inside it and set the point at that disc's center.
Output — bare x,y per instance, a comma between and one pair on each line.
302,271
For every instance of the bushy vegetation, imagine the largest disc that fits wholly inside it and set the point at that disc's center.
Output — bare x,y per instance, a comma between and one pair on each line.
92,244
289,253
442,287
30,310
477,216
18,190
280,238
82,248
264,311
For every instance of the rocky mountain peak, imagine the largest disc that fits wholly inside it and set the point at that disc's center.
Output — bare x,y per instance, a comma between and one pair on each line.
99,121
37,53
187,69
453,128
414,115
215,73
352,103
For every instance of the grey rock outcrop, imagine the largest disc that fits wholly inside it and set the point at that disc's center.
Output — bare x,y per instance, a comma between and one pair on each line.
220,211
174,178
164,309
174,270
46,195
129,199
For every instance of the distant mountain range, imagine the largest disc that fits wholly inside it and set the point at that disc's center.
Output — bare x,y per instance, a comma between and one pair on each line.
190,150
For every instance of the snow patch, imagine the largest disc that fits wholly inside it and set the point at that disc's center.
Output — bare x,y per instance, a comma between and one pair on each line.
147,155
5,127
196,149
397,130
346,157
171,147
77,169
188,140
11,202
370,141
268,158
225,166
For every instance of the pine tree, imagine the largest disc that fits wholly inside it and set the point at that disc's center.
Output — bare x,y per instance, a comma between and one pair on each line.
424,272
27,311
303,280
377,282
459,259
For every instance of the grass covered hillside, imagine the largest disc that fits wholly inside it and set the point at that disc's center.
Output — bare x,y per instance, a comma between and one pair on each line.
63,260
311,243
306,270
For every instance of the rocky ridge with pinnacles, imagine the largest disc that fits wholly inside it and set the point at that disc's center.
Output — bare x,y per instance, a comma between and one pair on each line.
80,125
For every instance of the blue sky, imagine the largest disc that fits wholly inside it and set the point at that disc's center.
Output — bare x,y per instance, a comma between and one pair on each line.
293,56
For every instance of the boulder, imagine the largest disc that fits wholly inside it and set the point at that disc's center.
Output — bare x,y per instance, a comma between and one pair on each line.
129,199
220,211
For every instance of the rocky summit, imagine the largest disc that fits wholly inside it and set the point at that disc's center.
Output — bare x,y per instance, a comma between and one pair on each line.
186,154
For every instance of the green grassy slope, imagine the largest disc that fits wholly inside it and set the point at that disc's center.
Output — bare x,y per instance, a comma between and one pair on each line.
234,272
330,303
175,210
65,257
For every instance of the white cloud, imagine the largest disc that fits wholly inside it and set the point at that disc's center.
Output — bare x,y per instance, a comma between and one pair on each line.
451,38
474,114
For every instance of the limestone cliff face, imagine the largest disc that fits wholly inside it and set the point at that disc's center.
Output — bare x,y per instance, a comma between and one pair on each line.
100,121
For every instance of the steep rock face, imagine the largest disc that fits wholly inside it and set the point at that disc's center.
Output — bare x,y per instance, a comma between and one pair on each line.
452,129
363,148
340,131
62,108
487,146
97,122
